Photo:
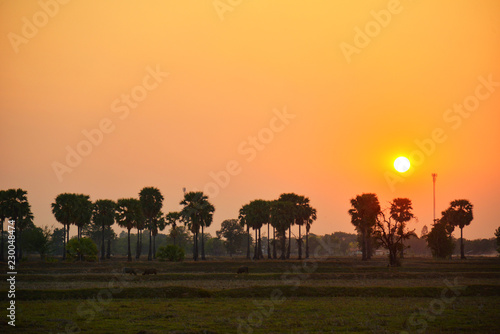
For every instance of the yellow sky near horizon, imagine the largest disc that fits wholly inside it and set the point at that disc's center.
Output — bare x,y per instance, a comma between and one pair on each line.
226,81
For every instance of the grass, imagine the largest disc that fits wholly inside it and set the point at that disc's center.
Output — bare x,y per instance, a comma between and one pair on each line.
339,295
290,315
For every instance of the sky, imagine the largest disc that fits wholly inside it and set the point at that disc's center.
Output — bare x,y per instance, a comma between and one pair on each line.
247,100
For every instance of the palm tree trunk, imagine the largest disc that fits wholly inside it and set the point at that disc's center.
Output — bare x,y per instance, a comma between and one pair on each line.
108,255
196,246
307,243
255,250
300,245
150,255
129,252
283,245
137,245
102,244
67,234
260,247
18,242
363,246
289,242
64,242
154,246
275,256
268,242
248,242
202,244
140,242
462,253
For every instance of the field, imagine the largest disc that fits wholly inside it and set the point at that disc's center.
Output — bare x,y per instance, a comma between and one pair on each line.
315,296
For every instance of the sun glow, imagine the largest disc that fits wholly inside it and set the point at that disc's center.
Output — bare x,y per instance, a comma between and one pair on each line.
402,164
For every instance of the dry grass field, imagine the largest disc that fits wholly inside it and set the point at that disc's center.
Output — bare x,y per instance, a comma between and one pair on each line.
314,296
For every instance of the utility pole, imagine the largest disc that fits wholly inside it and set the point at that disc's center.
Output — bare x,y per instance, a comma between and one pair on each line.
434,176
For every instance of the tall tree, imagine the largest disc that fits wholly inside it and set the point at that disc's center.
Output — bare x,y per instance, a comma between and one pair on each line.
207,213
256,214
244,222
296,200
309,222
159,223
497,235
83,212
234,235
401,212
439,239
129,215
364,213
172,219
65,211
305,213
17,208
197,212
103,215
392,231
152,202
460,214
282,216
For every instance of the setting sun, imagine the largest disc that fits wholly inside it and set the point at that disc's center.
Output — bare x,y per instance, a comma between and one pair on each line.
402,164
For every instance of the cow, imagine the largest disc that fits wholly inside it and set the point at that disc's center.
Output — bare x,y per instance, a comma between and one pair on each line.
129,271
242,270
149,271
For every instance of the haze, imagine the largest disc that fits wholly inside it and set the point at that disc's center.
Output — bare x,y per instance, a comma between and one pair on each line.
284,96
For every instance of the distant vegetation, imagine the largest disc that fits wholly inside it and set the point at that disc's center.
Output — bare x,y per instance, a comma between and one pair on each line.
380,230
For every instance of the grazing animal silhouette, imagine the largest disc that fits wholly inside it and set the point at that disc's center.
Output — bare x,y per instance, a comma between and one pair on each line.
242,270
129,271
149,271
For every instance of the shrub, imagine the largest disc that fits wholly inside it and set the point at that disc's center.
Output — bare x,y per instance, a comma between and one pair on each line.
170,253
84,248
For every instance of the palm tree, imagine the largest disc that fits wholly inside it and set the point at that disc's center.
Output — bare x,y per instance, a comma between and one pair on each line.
460,214
16,207
364,213
129,215
172,218
392,232
159,223
72,209
306,215
206,220
63,213
282,216
196,213
296,200
83,212
255,214
243,221
151,201
401,212
103,214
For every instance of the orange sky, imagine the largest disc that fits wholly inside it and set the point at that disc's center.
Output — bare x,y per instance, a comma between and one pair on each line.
72,66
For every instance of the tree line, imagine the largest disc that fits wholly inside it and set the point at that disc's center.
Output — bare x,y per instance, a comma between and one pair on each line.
376,227
389,227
